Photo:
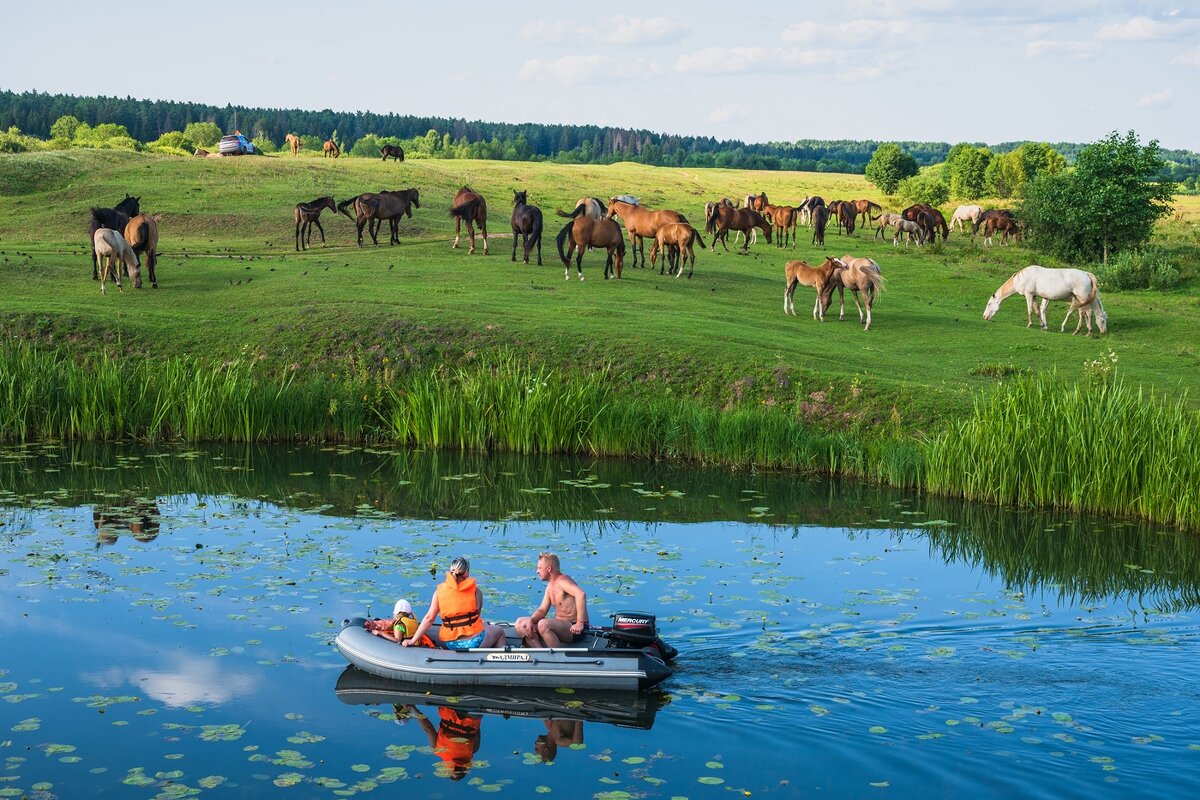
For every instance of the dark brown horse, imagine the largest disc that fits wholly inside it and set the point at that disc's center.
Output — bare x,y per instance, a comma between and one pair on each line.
727,218
371,209
307,215
847,216
991,213
112,218
820,218
586,232
936,221
1007,227
526,223
470,208
142,235
394,151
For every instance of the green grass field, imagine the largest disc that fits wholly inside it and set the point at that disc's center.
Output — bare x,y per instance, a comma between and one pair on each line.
232,287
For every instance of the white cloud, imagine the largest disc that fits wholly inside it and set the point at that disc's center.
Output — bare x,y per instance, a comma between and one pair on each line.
1188,59
1078,50
573,70
634,30
1157,99
859,33
736,60
194,680
547,31
1138,29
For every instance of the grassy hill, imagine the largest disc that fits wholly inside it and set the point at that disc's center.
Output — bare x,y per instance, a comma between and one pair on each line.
232,287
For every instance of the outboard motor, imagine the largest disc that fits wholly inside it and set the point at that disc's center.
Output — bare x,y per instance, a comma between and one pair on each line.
637,630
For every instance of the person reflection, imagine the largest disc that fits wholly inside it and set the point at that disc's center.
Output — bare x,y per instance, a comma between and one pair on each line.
139,518
558,732
455,739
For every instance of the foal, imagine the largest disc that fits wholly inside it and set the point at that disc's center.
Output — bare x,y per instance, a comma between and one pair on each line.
309,214
111,245
800,272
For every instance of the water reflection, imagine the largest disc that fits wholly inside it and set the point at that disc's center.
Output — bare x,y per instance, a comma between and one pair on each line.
138,518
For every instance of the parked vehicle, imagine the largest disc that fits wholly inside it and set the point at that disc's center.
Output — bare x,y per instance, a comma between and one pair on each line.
235,144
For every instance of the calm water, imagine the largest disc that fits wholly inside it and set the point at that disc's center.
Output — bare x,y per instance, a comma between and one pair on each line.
166,622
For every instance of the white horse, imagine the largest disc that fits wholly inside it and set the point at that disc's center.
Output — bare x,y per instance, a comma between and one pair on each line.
966,213
112,245
1054,284
908,229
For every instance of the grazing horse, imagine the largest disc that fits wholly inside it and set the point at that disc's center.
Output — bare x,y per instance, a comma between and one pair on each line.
371,209
847,216
784,219
526,223
806,208
640,222
801,272
908,229
586,232
586,206
726,218
1007,227
470,208
306,215
142,235
820,218
331,149
858,275
109,245
1036,281
394,151
965,214
864,209
886,222
113,218
293,141
676,237
929,217
991,213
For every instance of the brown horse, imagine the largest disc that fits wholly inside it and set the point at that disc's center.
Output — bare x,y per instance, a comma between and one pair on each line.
858,275
393,151
307,215
847,216
801,272
586,232
759,202
784,219
142,235
676,237
726,218
331,149
115,218
820,218
469,207
293,141
1007,227
936,220
370,210
526,223
640,222
991,213
864,209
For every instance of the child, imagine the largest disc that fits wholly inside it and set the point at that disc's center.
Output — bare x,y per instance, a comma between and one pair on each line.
401,626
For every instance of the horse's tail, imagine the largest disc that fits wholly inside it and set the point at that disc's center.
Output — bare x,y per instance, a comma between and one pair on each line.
1091,295
341,207
562,237
875,278
466,211
141,238
711,223
579,209
699,238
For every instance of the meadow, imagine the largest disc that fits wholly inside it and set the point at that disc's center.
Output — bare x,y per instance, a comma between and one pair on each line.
234,293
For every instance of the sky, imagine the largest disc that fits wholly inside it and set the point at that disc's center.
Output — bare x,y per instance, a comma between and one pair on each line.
889,70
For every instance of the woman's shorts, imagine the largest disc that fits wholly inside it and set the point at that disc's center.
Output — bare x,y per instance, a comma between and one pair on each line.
466,644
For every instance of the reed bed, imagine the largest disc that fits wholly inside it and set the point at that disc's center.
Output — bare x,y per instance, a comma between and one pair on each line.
1092,446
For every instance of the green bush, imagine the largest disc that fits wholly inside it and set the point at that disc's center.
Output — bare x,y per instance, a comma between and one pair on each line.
924,188
203,134
1148,268
174,142
13,141
264,144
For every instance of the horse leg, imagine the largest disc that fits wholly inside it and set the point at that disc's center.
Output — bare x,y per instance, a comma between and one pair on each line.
483,231
457,228
152,261
516,233
868,300
1042,312
317,222
789,306
538,239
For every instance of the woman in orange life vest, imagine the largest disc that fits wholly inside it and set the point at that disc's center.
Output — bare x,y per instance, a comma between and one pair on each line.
460,604
455,740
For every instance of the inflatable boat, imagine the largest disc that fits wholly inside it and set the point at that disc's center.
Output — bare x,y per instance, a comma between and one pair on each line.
626,657
625,709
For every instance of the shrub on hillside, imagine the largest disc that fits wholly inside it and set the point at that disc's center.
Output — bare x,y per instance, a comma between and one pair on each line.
1148,268
924,188
13,141
173,142
263,144
203,134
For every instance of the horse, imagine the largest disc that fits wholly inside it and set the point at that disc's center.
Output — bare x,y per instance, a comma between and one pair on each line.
807,206
526,222
293,141
784,219
113,218
864,209
331,149
587,206
847,216
858,275
586,232
910,228
965,214
371,209
141,233
307,215
726,218
935,220
469,207
759,202
680,236
640,222
393,151
801,272
991,213
1007,227
820,217
1053,284
109,245
885,221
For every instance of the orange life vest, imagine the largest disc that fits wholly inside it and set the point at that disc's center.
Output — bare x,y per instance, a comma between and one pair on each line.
458,737
460,612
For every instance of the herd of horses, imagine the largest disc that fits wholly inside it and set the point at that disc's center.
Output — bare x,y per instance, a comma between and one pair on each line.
122,235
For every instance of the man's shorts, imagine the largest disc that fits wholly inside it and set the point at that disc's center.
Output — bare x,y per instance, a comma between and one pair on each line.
466,644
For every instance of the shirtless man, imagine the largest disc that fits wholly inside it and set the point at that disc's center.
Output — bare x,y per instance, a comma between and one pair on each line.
570,608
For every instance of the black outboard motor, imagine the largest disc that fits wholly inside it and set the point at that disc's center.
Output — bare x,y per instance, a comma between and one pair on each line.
636,630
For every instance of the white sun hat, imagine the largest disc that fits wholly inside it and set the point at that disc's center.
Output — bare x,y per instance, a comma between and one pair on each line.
402,607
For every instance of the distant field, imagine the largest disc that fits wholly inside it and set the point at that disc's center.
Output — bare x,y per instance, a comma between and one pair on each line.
232,287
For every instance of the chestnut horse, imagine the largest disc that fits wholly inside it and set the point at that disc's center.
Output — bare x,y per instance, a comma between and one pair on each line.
306,215
526,223
470,208
801,272
864,209
991,213
784,219
858,275
640,222
586,232
935,222
331,149
142,235
726,218
1007,227
676,237
293,141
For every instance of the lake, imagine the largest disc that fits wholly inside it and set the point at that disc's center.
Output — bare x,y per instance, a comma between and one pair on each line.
168,615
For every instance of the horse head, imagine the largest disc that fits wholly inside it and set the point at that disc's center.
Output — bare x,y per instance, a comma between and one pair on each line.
416,197
993,305
520,198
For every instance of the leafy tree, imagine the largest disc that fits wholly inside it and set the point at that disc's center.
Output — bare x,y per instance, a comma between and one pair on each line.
172,142
1107,204
264,144
203,134
888,166
967,171
924,188
64,128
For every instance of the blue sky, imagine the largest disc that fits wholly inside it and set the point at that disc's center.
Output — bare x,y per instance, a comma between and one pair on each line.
856,69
